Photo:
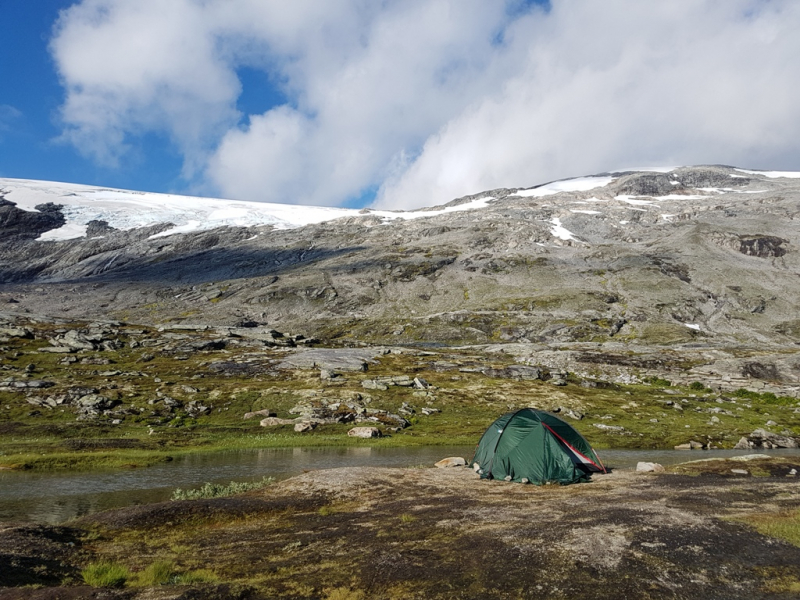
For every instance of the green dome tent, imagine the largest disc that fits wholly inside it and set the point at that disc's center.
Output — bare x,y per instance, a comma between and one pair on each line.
534,446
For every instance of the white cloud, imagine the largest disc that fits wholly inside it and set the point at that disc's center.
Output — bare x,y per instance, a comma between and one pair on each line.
421,98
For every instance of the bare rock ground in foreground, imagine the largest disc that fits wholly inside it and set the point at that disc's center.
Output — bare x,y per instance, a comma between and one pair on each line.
443,533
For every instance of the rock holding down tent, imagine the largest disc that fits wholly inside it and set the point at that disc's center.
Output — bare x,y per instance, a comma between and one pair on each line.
451,461
649,467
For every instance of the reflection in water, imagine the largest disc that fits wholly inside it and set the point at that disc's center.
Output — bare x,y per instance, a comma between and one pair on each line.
57,497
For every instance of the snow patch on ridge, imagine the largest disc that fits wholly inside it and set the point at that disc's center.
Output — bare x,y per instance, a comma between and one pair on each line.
560,231
772,174
579,184
125,210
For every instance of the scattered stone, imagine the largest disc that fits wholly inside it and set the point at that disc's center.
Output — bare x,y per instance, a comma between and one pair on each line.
259,413
690,446
421,384
17,332
304,426
406,409
327,374
428,410
605,427
273,421
649,467
27,384
740,471
452,461
771,423
195,409
372,384
513,372
364,432
761,438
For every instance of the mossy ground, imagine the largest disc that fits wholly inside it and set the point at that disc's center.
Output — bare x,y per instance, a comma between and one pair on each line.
653,415
436,534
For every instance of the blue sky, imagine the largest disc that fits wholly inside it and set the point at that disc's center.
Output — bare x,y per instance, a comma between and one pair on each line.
30,123
396,104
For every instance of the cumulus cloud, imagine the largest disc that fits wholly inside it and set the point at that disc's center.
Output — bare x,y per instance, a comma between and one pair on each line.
428,100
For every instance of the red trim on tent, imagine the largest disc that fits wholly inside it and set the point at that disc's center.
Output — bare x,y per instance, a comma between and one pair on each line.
563,441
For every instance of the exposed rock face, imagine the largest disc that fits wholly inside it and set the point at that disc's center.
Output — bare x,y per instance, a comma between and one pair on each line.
701,255
18,225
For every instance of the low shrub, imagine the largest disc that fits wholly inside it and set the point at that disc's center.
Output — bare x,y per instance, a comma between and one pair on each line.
105,574
218,490
160,572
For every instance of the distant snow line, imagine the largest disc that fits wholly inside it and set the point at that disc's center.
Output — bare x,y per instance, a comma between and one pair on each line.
123,209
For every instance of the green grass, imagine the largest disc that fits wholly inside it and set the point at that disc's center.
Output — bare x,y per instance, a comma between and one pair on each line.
105,574
784,526
160,572
37,438
166,572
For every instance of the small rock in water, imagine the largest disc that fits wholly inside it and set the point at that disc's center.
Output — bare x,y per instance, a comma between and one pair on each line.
452,461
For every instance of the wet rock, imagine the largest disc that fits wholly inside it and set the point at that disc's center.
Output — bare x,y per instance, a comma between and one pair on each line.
364,432
452,461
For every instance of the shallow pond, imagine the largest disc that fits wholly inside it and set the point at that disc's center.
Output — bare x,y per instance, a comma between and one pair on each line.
57,497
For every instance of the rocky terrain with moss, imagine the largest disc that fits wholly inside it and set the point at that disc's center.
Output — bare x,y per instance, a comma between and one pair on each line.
719,529
78,395
652,311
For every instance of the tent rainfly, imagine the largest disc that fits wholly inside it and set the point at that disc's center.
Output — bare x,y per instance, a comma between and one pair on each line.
534,446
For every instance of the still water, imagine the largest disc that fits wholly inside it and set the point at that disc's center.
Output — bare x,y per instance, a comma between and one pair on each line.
57,497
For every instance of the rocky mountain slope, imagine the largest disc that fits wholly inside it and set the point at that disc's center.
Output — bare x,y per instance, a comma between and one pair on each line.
691,271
